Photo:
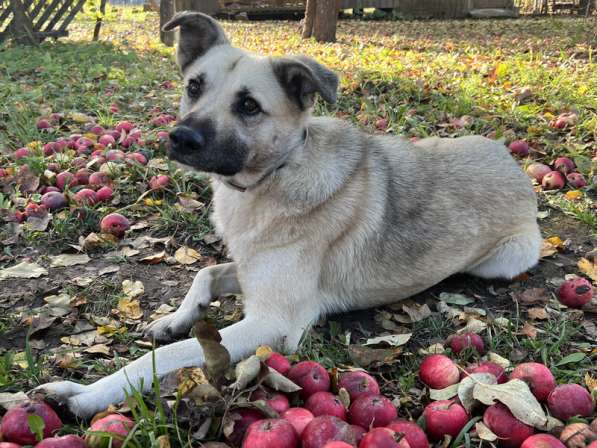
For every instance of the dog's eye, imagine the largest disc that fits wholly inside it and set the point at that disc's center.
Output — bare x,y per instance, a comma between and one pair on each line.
194,89
248,106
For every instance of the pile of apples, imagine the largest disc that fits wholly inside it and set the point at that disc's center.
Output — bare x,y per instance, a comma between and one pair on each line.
80,169
348,411
553,177
16,429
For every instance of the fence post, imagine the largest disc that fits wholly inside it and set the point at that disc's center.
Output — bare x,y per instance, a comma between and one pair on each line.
167,11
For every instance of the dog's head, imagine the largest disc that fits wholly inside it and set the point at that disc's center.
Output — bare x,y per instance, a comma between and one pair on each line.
241,114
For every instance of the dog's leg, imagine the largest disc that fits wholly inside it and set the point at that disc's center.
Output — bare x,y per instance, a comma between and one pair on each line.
241,339
209,283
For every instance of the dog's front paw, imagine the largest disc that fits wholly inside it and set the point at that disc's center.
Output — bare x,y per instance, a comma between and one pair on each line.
168,328
82,401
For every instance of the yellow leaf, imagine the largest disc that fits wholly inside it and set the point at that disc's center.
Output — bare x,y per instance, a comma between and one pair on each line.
34,145
555,241
263,352
151,202
110,330
590,382
133,289
190,377
588,268
130,308
79,118
20,359
91,136
573,195
549,115
186,255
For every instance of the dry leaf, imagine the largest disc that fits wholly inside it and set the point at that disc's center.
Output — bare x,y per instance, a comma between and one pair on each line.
365,356
133,289
417,312
264,352
499,360
531,296
130,308
537,313
474,326
588,268
444,394
98,348
24,269
110,269
217,358
86,338
547,250
529,330
246,371
186,255
65,260
190,204
433,349
39,223
517,397
394,340
154,258
484,432
573,195
82,281
455,299
590,382
279,382
465,389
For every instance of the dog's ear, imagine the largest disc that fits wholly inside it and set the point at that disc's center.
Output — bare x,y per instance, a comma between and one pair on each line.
302,77
198,33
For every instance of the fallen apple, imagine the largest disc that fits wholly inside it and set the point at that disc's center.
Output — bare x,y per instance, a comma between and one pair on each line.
241,419
413,433
271,433
537,376
577,435
109,430
554,180
489,367
564,165
439,372
115,224
275,400
459,342
68,441
575,292
86,196
54,200
327,428
503,424
569,400
104,194
325,403
519,147
576,180
310,376
542,441
14,426
278,362
358,383
299,418
444,417
372,411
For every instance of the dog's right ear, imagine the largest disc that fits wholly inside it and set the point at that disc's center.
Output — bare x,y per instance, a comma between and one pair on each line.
198,33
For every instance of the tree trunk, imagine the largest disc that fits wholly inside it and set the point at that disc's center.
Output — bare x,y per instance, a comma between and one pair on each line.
309,18
326,16
21,28
98,21
166,13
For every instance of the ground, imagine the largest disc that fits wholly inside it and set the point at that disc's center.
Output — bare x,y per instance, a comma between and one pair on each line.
504,79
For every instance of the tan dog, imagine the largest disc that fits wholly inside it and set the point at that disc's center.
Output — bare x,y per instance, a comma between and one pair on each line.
318,216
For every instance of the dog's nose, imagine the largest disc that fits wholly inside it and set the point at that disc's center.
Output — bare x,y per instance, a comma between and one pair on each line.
184,139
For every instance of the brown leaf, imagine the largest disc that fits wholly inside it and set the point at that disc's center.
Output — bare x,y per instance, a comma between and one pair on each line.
217,358
537,313
24,269
186,255
65,260
154,258
39,223
416,312
365,356
130,308
589,268
531,296
529,331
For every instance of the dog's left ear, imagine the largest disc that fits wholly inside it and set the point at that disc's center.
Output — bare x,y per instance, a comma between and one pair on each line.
198,33
302,77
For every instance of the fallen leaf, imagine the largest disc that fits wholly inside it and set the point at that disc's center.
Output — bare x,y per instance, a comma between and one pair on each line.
246,371
590,328
82,281
572,358
263,352
24,269
588,268
473,326
502,322
364,356
130,308
39,223
133,289
110,330
499,360
217,358
531,296
590,382
9,400
465,389
547,250
573,195
86,338
484,432
537,313
154,258
395,340
98,348
190,204
434,349
416,312
455,299
444,394
517,397
65,260
279,382
110,269
186,255
529,330
41,322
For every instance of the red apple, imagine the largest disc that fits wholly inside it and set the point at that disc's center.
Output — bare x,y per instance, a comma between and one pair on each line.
334,444
271,433
327,428
554,180
82,176
68,441
381,124
359,432
577,435
414,435
576,292
383,438
21,153
137,157
60,145
299,418
65,179
372,410
54,200
278,362
15,426
112,428
99,178
439,372
97,130
576,180
242,418
33,209
79,162
86,196
48,149
503,424
519,147
163,135
104,194
489,367
275,400
113,108
568,400
159,182
114,223
564,165
43,124
325,403
311,376
459,342
12,445
358,383
124,126
107,140
537,376
444,417
542,441
115,154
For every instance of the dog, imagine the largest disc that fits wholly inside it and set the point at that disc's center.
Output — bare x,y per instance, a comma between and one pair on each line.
318,216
